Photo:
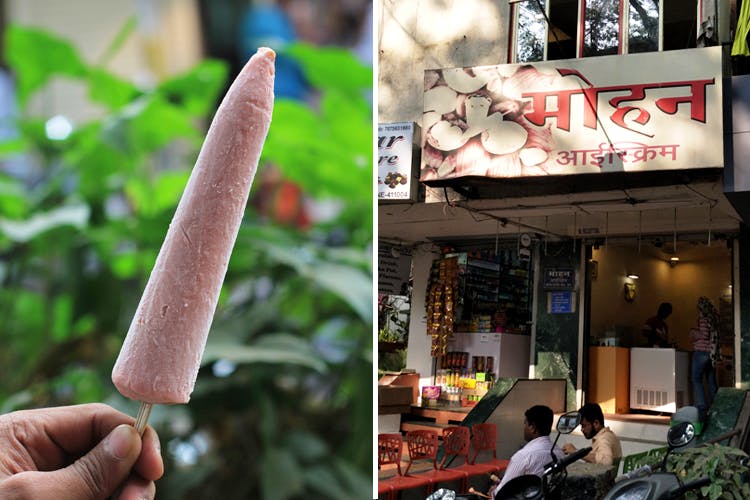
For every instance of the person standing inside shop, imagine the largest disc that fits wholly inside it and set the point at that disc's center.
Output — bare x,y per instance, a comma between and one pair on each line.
605,446
705,336
655,329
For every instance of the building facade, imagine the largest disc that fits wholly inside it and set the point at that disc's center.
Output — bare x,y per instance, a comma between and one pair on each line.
596,146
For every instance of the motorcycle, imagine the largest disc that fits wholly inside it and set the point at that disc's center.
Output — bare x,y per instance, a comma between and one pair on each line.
546,486
531,486
646,484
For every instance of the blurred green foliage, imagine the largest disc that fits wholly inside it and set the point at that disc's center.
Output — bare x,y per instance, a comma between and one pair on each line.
283,403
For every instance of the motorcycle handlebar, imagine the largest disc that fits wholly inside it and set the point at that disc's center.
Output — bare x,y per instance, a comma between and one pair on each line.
692,485
553,467
576,455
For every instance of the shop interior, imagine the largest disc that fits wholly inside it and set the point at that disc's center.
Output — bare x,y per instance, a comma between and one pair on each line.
647,270
626,278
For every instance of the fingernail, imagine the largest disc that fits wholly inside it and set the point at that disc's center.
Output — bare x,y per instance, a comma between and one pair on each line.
157,443
121,441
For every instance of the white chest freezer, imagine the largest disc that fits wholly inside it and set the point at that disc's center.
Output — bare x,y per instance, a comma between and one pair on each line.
659,379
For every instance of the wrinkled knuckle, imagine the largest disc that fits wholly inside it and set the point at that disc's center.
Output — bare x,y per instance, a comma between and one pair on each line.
16,488
19,427
91,476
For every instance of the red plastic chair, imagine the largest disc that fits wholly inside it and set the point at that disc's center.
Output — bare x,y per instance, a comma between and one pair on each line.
456,442
423,445
484,438
390,448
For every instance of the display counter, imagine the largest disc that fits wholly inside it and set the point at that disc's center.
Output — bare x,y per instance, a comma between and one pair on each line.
442,413
609,378
659,379
510,352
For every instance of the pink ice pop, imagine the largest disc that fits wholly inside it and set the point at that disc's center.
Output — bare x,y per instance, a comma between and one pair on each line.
159,360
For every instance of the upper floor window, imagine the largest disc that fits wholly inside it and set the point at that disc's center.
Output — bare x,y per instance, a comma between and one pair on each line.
566,29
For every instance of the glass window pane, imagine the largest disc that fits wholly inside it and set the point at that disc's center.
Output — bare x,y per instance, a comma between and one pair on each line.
602,27
643,27
680,21
563,16
531,32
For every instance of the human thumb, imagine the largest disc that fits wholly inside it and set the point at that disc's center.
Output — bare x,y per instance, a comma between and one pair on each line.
97,474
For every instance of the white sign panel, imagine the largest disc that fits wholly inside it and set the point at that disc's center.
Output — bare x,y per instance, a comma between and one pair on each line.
394,267
652,111
395,160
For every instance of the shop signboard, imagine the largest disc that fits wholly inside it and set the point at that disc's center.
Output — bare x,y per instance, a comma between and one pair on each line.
559,278
561,302
628,113
396,172
394,266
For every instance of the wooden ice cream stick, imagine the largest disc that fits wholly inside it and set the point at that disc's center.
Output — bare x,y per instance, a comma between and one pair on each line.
475,492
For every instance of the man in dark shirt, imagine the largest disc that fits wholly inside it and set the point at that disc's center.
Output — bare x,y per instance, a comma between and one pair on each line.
655,329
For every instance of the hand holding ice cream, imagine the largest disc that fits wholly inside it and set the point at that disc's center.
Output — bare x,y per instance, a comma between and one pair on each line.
76,452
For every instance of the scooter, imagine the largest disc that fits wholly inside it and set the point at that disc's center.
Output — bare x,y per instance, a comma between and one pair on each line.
533,487
659,485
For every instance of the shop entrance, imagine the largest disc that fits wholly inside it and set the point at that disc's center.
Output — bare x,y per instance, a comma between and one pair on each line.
627,280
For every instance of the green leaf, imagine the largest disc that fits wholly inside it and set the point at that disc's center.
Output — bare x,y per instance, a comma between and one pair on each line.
322,480
34,132
23,231
169,187
198,89
714,491
99,165
84,325
12,147
13,202
36,56
110,90
17,401
358,483
148,124
307,153
29,311
150,198
350,284
273,349
125,264
327,68
119,40
62,316
274,465
308,447
83,385
350,125
295,121
159,123
334,341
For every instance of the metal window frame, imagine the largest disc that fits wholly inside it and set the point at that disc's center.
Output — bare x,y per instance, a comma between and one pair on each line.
624,30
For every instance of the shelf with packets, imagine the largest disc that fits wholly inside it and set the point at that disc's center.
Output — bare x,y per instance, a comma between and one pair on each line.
478,286
492,292
514,301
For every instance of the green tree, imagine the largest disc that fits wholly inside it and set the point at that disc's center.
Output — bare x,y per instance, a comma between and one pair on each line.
283,401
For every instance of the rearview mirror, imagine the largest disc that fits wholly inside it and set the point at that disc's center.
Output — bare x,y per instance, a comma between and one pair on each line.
568,422
680,434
